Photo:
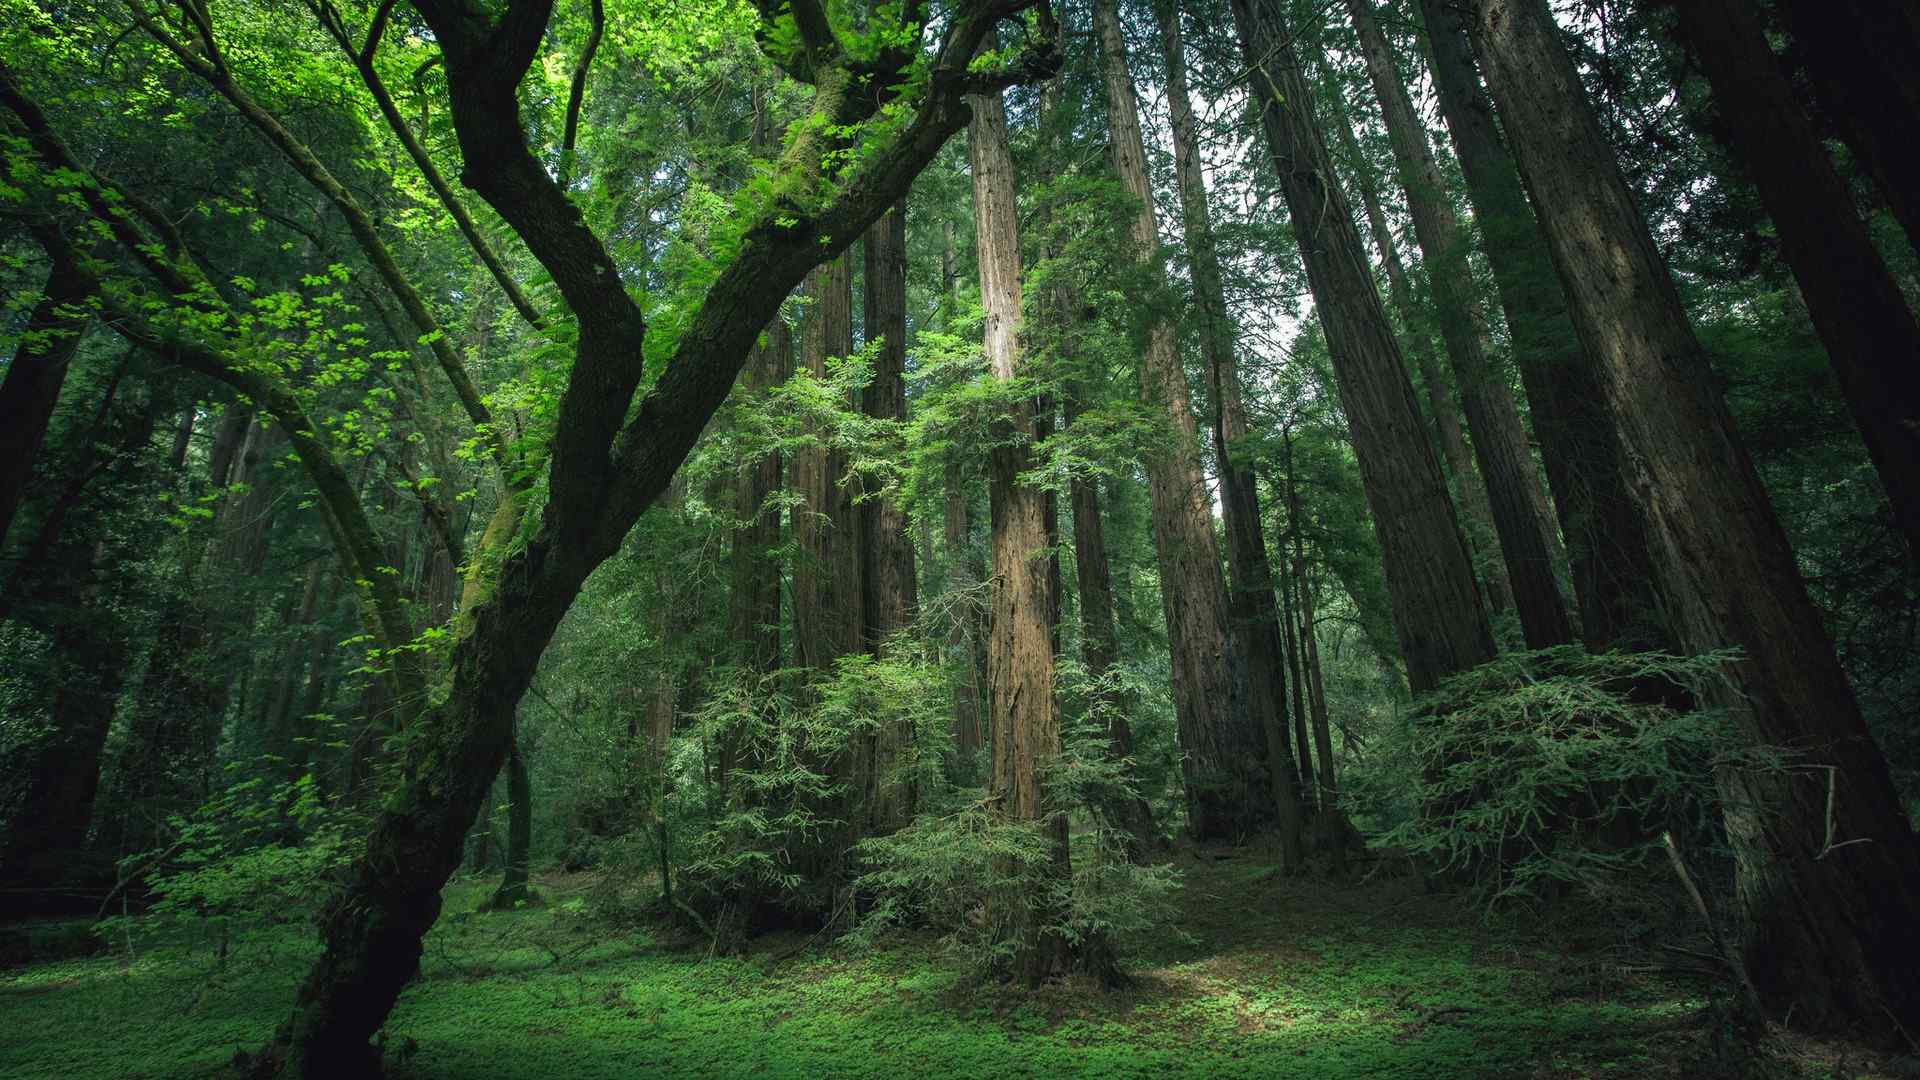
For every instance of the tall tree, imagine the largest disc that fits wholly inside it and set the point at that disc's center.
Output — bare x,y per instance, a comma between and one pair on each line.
1869,331
886,549
1443,405
1020,681
1607,543
38,369
1255,620
1499,442
1442,624
1829,871
1859,57
1223,758
826,527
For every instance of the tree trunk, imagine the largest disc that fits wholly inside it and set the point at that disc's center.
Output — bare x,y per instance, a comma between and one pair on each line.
1606,536
1499,442
1828,874
826,572
1437,609
1859,56
31,388
1223,756
753,609
514,890
886,548
1025,720
1468,487
1250,606
1870,333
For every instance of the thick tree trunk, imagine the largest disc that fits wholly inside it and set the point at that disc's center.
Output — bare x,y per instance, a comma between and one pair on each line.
1605,530
1859,56
886,548
826,531
753,608
1870,333
1250,607
1499,442
1437,608
1228,789
34,376
1828,867
1024,715
1468,487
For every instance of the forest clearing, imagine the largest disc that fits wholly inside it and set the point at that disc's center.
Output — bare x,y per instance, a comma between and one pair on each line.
959,537
1324,981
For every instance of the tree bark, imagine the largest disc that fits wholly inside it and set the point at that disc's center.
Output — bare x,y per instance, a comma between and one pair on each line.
514,890
1499,442
1224,757
1020,679
1442,624
31,388
1606,535
1863,319
1468,487
1859,56
1828,867
826,532
753,609
886,548
1250,607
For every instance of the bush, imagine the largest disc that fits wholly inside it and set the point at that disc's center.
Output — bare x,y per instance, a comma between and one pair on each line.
1543,770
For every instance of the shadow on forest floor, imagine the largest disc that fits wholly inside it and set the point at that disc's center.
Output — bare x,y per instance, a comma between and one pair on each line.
1273,977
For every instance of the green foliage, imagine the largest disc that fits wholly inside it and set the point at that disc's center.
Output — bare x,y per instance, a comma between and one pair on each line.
258,851
967,873
1551,768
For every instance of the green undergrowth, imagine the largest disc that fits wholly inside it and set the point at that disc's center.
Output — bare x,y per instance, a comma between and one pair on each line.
1272,977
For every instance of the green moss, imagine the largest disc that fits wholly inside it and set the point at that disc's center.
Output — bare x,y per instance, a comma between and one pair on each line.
1319,981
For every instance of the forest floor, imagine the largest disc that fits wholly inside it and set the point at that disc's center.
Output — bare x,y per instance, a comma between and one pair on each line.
1273,977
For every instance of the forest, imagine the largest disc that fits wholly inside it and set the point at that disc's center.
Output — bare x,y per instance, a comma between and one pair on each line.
874,538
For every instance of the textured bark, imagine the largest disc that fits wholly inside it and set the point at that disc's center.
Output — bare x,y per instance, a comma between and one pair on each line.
1223,755
1859,56
1437,609
1499,442
1864,321
1828,867
1468,486
35,374
886,548
967,635
1250,608
753,608
1023,714
1605,530
826,525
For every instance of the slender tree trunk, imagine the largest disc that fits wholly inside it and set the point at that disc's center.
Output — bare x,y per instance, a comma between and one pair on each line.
1228,788
1870,333
1828,868
1251,608
514,889
1468,487
1499,442
886,547
1025,720
1437,608
1859,56
1607,543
